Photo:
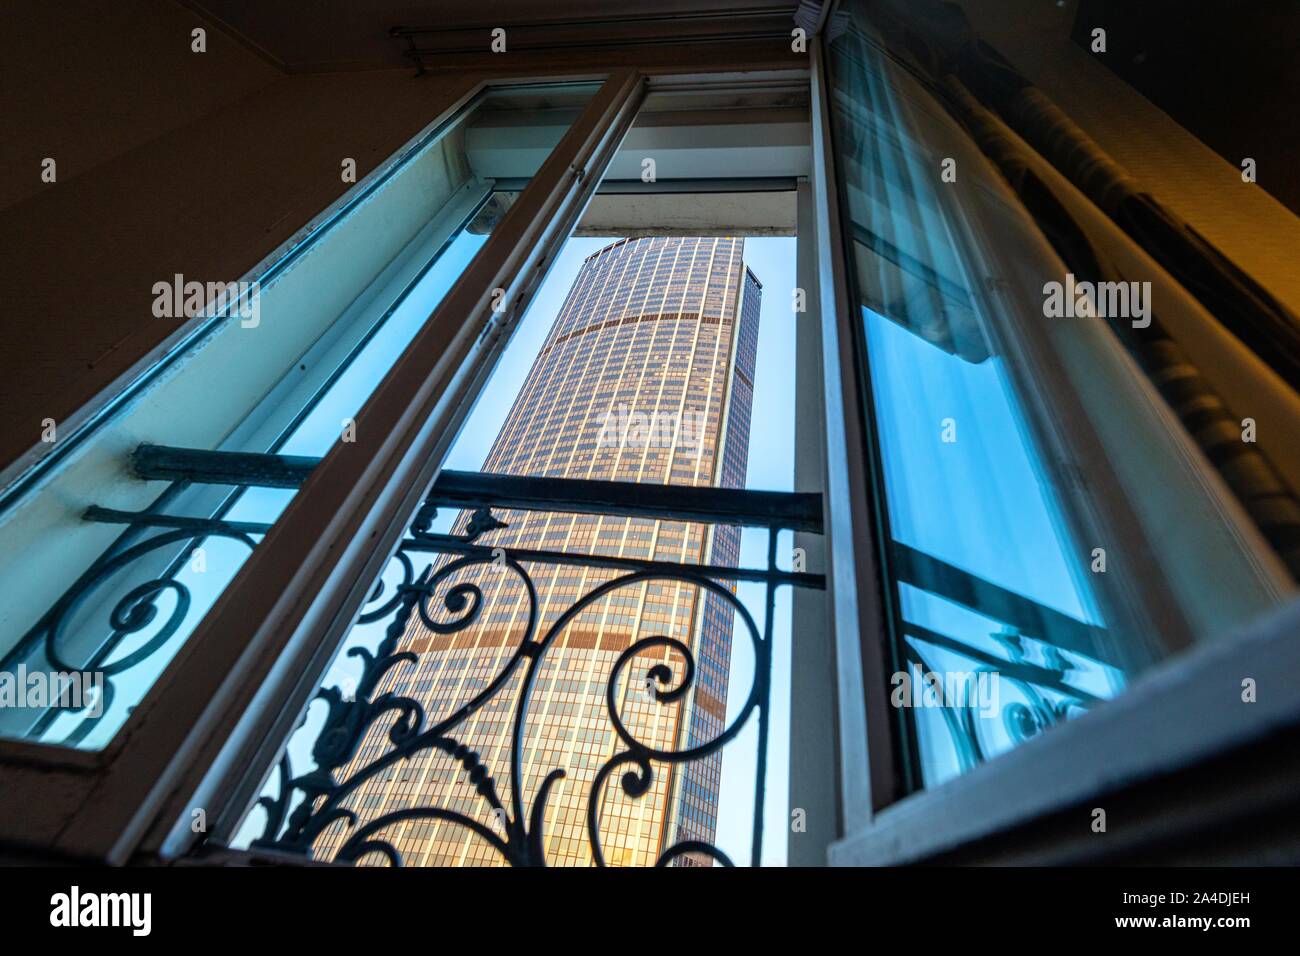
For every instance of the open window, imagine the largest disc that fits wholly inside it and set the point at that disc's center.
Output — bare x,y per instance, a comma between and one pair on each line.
606,479
593,645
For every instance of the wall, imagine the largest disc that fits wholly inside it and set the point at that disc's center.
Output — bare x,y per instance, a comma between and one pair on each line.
87,81
1251,227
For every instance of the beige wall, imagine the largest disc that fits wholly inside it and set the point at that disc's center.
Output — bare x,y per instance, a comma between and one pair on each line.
168,162
87,81
1251,227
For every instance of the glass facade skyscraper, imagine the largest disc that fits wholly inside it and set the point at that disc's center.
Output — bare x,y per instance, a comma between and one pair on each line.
646,376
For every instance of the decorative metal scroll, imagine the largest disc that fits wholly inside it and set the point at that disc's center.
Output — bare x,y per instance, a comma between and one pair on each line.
309,803
123,618
1047,696
133,603
129,587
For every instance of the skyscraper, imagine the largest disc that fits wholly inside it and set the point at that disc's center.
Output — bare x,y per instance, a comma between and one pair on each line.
645,376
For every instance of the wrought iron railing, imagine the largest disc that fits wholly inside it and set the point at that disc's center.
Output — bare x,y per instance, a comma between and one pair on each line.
426,564
308,803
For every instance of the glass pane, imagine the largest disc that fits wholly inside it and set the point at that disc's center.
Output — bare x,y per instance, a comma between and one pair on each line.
105,600
1007,614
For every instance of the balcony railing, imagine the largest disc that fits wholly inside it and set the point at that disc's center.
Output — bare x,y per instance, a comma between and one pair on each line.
427,566
308,803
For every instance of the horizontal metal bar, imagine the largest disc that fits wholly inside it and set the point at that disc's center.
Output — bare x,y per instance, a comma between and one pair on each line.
1036,620
801,511
728,506
447,544
167,463
703,185
183,522
800,579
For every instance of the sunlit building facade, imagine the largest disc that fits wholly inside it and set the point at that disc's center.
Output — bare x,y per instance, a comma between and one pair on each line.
646,376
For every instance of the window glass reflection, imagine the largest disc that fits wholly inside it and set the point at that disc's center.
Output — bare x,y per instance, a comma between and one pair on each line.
997,631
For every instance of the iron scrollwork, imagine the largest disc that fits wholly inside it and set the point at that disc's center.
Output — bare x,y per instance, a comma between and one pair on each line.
136,604
1048,697
321,795
131,614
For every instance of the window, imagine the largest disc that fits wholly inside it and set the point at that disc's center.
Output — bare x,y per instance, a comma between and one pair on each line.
619,310
1041,519
284,370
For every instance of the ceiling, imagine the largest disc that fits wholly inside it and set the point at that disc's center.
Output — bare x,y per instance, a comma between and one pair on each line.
354,34
1224,70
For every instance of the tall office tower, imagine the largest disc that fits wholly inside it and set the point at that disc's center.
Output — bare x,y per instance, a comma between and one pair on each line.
646,376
